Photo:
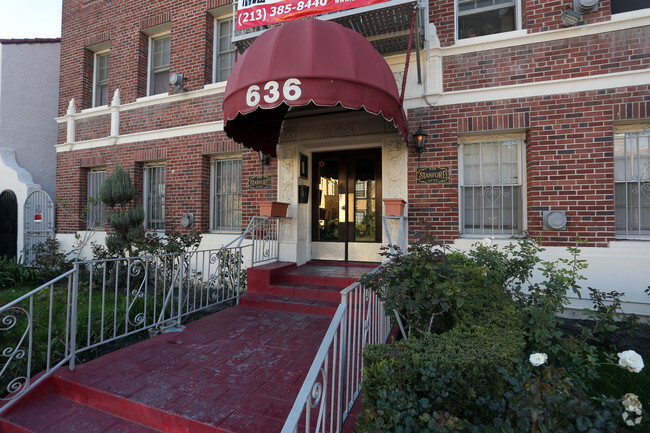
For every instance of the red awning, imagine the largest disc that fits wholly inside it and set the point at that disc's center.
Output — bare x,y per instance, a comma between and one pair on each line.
302,62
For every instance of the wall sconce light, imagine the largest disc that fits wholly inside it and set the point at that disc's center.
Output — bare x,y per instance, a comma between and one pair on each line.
178,82
265,160
419,141
570,17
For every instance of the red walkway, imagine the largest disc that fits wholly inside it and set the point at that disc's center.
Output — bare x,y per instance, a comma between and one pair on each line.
236,371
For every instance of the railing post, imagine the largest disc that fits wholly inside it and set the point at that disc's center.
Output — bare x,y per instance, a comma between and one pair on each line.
73,316
180,287
342,363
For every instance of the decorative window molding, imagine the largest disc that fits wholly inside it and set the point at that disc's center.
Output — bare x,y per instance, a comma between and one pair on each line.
491,185
632,181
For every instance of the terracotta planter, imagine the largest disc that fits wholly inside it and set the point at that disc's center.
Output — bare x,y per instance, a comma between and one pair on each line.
394,206
273,209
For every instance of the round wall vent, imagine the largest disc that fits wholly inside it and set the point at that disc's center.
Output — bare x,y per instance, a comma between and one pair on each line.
554,220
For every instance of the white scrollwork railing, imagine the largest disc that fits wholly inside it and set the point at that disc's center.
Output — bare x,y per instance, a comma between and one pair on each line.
264,234
100,301
333,382
27,337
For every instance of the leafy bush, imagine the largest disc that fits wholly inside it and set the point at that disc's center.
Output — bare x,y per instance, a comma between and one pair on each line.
487,335
423,287
14,272
474,378
48,260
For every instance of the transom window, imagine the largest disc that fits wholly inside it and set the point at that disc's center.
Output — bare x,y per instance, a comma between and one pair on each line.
632,182
95,208
154,197
224,50
225,194
486,17
101,79
491,190
159,64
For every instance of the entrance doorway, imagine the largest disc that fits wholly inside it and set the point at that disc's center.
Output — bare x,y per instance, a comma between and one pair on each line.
346,205
8,224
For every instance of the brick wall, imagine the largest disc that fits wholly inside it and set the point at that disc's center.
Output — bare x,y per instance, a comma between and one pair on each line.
87,23
187,161
592,55
569,159
537,16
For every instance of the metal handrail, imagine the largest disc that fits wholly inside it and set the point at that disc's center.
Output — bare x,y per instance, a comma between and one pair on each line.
359,320
106,300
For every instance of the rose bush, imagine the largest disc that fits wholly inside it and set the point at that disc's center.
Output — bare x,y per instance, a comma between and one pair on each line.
418,386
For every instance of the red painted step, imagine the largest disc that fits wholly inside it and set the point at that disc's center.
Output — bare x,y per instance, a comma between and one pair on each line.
313,288
290,304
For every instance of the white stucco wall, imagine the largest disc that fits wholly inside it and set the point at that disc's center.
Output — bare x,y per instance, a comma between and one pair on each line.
29,94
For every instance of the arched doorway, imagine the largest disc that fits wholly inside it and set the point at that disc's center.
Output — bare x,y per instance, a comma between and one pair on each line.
8,224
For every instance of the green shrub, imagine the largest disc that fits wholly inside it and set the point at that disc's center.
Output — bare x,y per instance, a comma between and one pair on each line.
13,272
487,336
48,260
423,286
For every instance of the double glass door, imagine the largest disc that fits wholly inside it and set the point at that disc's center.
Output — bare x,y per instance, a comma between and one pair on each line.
346,202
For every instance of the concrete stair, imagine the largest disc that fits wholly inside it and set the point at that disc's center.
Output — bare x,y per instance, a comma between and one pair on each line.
313,288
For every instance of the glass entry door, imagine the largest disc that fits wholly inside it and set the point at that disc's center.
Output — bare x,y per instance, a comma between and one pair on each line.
346,200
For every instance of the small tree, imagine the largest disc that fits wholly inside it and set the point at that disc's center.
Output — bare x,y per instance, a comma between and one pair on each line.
117,193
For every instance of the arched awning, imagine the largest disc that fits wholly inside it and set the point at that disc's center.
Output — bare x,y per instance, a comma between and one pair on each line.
303,62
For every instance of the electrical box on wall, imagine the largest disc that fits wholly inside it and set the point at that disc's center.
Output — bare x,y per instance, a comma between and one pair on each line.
554,220
187,220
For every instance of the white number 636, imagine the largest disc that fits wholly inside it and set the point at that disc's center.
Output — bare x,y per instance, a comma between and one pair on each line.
290,91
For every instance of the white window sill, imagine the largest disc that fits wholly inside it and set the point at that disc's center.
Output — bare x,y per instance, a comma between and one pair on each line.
491,38
219,85
153,97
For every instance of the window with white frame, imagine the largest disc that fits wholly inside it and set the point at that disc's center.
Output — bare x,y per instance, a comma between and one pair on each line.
225,193
154,197
95,208
224,50
159,52
632,181
486,17
491,185
100,89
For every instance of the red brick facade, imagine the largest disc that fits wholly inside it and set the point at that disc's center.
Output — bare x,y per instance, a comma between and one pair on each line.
569,134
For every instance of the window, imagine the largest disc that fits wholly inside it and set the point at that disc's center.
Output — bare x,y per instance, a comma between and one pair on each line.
159,49
224,50
491,192
486,17
225,194
95,211
619,6
154,197
100,96
632,181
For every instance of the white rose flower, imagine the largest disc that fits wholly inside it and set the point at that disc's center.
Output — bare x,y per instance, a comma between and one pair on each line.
631,360
631,403
486,242
630,420
538,359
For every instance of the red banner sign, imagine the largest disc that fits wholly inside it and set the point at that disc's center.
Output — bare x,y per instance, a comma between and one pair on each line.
252,13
